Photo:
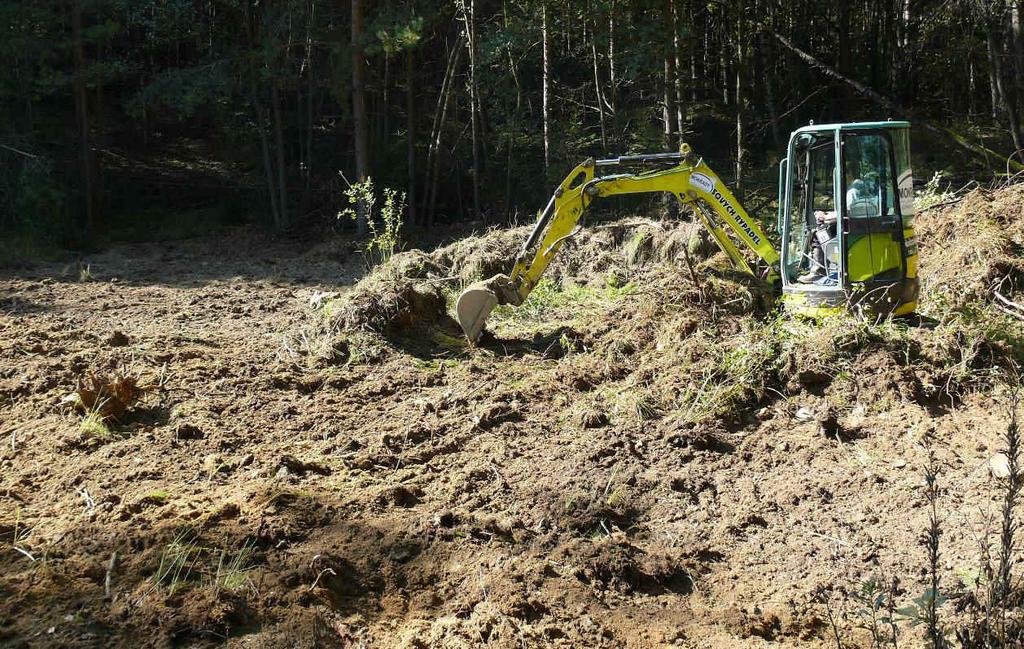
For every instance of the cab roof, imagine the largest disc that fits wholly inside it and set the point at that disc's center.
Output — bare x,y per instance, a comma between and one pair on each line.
850,126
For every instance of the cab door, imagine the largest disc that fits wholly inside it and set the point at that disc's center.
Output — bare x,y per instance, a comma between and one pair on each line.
872,222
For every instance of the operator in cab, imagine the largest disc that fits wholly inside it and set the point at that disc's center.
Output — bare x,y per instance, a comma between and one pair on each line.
824,232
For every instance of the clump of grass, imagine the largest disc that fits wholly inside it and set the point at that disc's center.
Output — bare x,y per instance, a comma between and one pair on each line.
178,560
93,424
619,498
646,407
549,297
184,561
323,342
19,535
233,567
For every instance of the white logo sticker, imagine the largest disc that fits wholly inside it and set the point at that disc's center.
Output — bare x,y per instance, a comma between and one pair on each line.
702,182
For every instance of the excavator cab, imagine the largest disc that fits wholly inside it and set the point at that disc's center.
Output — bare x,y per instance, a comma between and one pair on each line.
846,211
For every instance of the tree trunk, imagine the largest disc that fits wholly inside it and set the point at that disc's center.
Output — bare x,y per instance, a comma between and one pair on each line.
469,18
436,132
678,66
385,124
546,74
268,164
1017,43
1007,98
410,132
282,186
446,102
971,89
769,91
1016,16
87,158
361,135
611,56
309,95
741,97
598,95
993,91
513,128
844,55
692,48
669,112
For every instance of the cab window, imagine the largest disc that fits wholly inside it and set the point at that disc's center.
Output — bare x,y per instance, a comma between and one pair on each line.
823,164
869,183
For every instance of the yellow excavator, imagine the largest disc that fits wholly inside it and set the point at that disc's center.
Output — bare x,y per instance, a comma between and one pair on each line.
845,220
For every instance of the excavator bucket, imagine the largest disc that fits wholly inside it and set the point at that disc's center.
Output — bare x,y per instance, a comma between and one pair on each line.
478,300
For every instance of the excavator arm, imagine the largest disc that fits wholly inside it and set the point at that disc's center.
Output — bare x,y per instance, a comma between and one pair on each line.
682,174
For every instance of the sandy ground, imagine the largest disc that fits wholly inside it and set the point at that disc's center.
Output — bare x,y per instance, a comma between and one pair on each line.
416,501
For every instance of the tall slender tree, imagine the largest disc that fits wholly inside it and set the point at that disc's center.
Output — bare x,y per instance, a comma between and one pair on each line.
545,35
87,157
468,8
359,122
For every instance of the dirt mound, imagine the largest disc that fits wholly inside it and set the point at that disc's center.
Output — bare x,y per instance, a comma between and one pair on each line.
408,293
397,296
971,249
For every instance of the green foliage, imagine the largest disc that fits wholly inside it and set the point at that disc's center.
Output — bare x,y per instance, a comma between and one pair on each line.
32,199
160,224
396,34
918,611
266,89
932,193
181,93
549,298
875,611
385,225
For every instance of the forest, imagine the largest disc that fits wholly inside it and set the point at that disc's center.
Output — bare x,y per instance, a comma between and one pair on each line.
116,114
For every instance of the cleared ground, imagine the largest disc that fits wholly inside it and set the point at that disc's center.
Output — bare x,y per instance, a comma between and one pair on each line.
641,457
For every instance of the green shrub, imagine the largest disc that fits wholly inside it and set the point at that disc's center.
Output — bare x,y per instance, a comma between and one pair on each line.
385,225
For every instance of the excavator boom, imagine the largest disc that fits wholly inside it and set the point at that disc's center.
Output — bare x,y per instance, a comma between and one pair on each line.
682,174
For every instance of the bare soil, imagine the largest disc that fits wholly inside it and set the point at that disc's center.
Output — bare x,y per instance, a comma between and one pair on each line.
590,477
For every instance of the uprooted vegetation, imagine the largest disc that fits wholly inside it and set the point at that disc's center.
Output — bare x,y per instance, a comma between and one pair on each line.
699,340
638,456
